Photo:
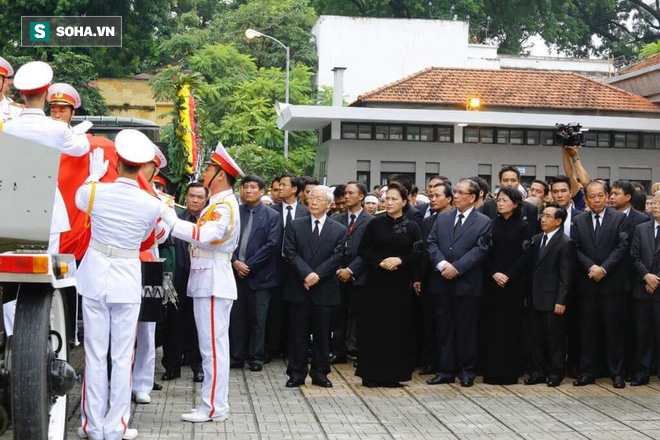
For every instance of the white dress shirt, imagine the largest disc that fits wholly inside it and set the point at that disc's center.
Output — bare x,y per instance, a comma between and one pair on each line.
568,221
321,222
293,206
655,229
600,218
549,235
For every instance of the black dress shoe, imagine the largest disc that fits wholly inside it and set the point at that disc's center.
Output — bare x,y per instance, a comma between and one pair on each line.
322,382
268,358
236,364
171,375
295,383
584,380
533,380
619,382
467,382
256,367
157,387
437,380
426,370
198,377
338,358
639,381
554,383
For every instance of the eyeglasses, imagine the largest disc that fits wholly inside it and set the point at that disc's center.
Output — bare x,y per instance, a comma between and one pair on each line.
316,199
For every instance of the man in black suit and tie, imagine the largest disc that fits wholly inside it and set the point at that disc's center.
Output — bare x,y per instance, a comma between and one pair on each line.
510,177
289,209
314,247
440,200
552,259
352,275
601,240
179,331
645,254
256,275
458,246
425,208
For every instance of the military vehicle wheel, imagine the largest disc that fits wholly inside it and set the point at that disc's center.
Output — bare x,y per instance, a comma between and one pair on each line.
40,376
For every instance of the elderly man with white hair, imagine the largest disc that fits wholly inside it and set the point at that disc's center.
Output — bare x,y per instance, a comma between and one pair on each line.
314,246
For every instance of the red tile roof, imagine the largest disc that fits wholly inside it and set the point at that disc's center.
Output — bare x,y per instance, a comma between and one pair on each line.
509,88
647,62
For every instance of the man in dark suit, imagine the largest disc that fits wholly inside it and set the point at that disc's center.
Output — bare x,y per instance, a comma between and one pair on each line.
314,247
458,246
510,177
621,198
602,241
289,209
179,330
352,275
552,259
440,200
645,254
425,208
256,275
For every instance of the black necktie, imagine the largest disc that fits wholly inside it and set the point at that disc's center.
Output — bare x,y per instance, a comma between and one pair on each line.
315,233
351,225
459,224
288,216
544,243
597,230
657,238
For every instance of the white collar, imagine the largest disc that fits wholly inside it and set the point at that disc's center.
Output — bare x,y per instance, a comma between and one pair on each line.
127,181
656,226
33,111
467,212
356,214
321,221
292,205
221,195
627,211
551,234
601,214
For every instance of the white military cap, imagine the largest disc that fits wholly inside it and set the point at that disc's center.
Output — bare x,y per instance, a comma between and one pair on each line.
134,147
371,199
421,198
33,77
5,68
63,94
222,159
159,158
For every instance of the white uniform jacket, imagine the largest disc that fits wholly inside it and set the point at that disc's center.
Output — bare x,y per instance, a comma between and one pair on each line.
9,109
214,239
122,216
34,125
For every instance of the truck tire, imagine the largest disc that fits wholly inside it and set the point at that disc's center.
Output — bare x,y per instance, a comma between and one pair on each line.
37,414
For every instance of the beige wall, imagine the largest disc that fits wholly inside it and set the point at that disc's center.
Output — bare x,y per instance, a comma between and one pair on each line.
130,97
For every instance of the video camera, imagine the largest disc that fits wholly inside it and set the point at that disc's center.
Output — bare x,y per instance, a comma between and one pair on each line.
570,135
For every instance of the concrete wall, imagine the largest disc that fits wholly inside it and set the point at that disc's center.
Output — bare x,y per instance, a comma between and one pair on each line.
600,68
463,160
129,97
646,84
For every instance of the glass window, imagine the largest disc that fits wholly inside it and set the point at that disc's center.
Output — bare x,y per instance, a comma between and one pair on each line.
547,138
349,131
396,133
517,137
412,133
590,139
444,134
471,135
619,140
649,141
604,140
426,134
502,136
382,132
486,135
632,140
657,141
364,131
532,137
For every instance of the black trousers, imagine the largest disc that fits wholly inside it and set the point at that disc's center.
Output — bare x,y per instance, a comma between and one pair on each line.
277,323
345,319
247,328
304,317
429,344
647,329
456,322
598,313
180,336
547,342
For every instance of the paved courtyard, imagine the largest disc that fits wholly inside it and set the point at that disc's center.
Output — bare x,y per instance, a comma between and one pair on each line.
263,409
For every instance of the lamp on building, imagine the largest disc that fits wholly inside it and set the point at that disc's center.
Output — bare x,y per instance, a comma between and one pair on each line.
251,34
473,104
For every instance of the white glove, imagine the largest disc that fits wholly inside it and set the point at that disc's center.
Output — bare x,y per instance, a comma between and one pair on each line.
97,167
82,128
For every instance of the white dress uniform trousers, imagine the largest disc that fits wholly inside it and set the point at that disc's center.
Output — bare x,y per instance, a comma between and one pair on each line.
213,287
110,281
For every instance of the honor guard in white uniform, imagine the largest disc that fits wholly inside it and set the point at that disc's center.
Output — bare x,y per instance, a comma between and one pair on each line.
33,80
8,108
64,100
145,351
122,216
211,284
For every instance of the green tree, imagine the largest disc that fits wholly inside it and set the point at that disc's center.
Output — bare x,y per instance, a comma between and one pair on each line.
254,159
649,50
